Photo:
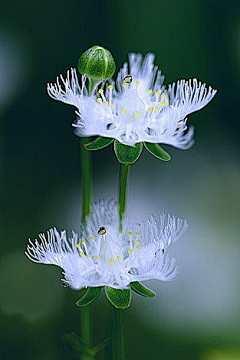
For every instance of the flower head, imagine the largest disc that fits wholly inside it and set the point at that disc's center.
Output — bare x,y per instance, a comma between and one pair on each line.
138,108
103,256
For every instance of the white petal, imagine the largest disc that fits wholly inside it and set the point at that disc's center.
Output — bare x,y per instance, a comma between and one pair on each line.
190,95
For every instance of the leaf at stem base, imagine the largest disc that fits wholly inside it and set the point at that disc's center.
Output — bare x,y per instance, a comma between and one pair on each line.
157,151
119,298
127,155
90,294
98,143
141,289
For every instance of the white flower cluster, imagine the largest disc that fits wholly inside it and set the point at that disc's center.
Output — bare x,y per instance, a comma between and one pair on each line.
138,108
104,256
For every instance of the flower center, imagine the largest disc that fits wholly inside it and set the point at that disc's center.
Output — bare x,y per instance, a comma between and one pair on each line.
131,105
110,251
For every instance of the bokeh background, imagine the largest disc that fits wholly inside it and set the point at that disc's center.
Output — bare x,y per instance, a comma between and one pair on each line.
195,317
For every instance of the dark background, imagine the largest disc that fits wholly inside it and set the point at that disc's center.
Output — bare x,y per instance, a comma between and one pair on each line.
195,317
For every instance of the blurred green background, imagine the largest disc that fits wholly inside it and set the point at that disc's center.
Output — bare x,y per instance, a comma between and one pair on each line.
195,317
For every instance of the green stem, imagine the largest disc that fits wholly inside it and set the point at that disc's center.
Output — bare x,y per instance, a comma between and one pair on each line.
122,191
86,331
117,323
117,335
86,198
85,179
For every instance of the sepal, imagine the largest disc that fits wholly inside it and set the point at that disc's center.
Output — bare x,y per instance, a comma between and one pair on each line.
127,155
157,151
98,143
89,296
141,289
119,298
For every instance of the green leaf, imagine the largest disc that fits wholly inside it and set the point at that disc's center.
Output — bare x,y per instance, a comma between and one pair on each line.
102,343
157,151
99,143
141,289
120,299
127,155
91,294
76,344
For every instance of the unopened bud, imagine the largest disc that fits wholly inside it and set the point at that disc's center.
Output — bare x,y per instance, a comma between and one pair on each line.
97,63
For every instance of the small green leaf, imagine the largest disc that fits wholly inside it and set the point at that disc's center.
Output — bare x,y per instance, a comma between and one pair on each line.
157,151
120,299
91,294
141,289
99,143
127,154
76,344
102,343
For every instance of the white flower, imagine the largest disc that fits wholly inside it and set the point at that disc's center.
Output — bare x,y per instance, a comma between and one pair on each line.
107,257
138,108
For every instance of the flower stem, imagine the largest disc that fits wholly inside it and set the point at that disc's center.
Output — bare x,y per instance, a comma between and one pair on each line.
86,198
117,335
117,323
86,331
85,179
122,191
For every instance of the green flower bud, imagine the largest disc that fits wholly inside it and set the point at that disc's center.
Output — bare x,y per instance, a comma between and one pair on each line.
97,63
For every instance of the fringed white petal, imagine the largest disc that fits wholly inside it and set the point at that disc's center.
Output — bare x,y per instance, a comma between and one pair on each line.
190,95
68,90
142,70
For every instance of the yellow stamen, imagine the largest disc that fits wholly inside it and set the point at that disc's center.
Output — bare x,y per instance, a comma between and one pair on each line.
138,242
137,82
99,100
91,238
113,106
117,257
124,111
110,262
78,245
130,234
105,102
120,232
150,110
82,253
130,251
150,91
124,85
138,112
100,91
155,107
110,86
83,241
137,234
164,96
138,247
95,257
89,256
157,93
162,103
